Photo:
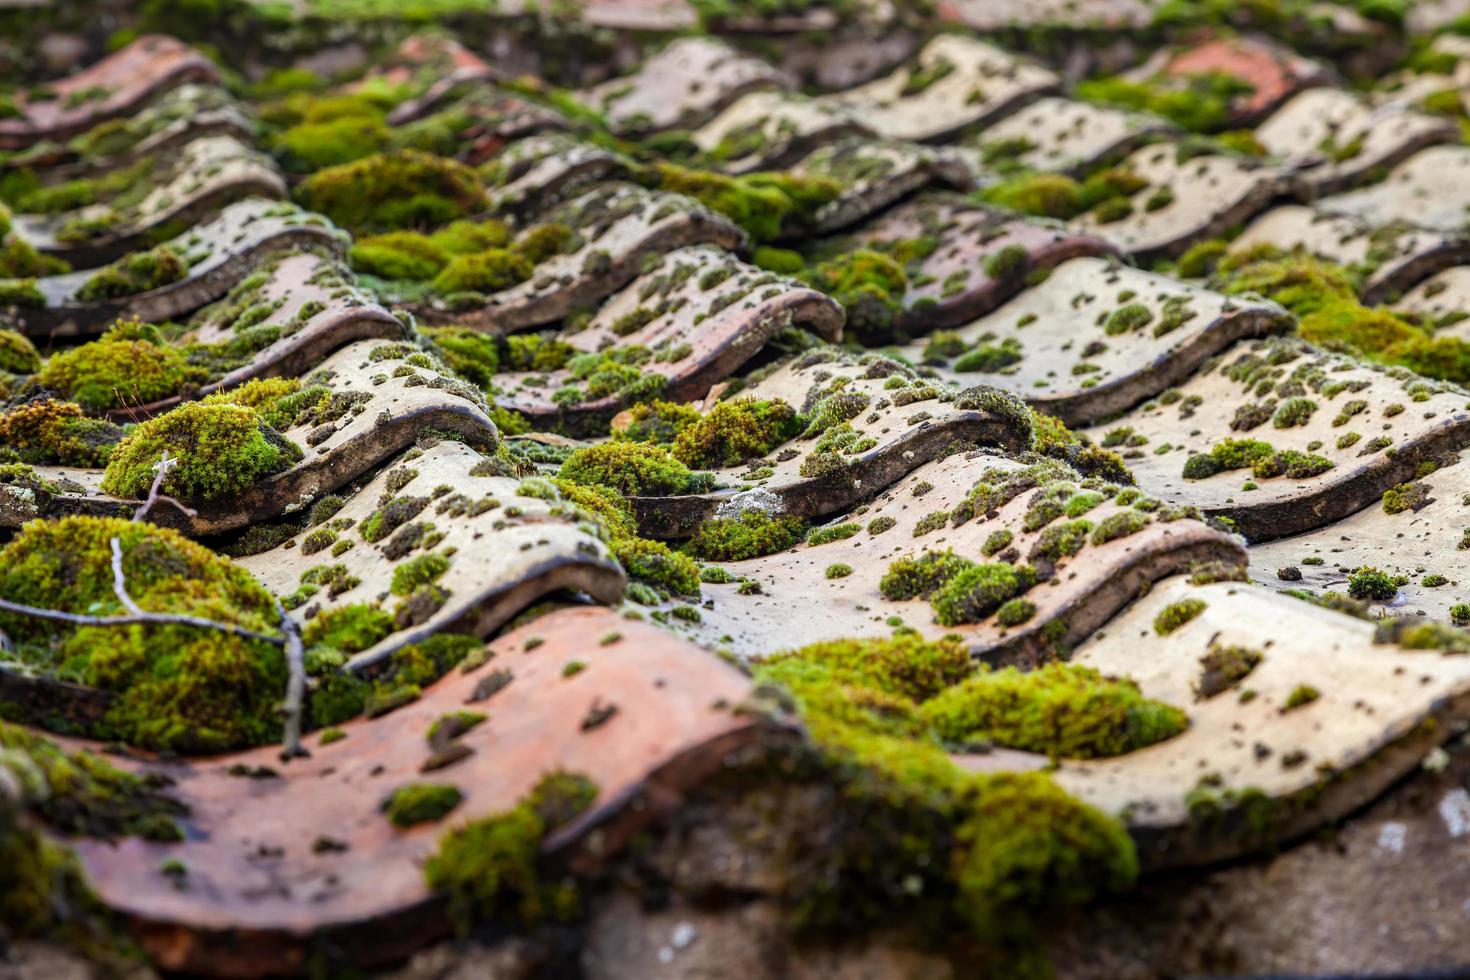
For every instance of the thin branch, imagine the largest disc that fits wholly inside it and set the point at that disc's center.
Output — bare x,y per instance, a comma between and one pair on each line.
295,686
136,619
155,494
119,585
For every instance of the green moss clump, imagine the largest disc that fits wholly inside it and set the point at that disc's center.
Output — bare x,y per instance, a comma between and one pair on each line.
833,532
472,355
870,286
489,271
1300,695
1370,583
128,365
174,686
1133,316
918,577
736,431
407,255
415,803
631,468
140,272
837,570
418,571
221,449
393,191
1293,412
1223,668
1015,612
764,204
350,629
750,535
1405,497
659,422
56,432
1063,710
489,867
655,563
1176,614
454,724
975,592
1119,525
22,293
1201,103
17,354
19,259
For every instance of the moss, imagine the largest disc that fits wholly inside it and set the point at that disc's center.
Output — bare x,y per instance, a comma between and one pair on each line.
418,571
174,686
750,535
996,542
489,271
1300,695
23,293
1176,614
832,532
630,468
655,564
974,593
1007,262
19,259
1293,412
764,204
55,432
1060,541
1201,259
837,570
1370,583
736,431
1223,668
870,286
407,255
919,577
880,524
1133,316
989,358
310,146
221,449
1015,612
415,803
1404,497
128,365
1063,710
1119,525
540,242
351,628
489,867
1201,103
393,191
140,272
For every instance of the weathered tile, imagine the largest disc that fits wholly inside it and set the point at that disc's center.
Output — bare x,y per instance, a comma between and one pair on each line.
967,273
993,15
188,185
1096,338
620,225
1443,300
713,329
261,885
1338,139
682,86
220,253
936,509
769,130
538,171
1373,425
435,67
895,433
1430,189
1186,200
1274,72
115,86
955,83
1058,134
1252,771
1392,257
504,550
876,173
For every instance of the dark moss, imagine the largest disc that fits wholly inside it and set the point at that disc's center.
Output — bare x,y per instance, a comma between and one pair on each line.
749,535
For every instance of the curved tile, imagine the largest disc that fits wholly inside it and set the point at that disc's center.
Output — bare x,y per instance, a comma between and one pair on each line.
1274,71
770,130
262,893
1058,134
799,604
114,86
875,174
1055,345
1431,189
538,171
1375,426
713,329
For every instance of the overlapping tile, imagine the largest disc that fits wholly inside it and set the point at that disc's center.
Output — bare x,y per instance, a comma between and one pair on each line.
682,86
1326,719
115,86
697,317
187,185
1391,257
979,506
1187,199
1340,140
538,171
1442,300
434,66
261,884
767,130
954,83
994,15
219,254
1096,338
895,432
876,173
1273,71
1428,189
1307,409
619,226
1058,134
